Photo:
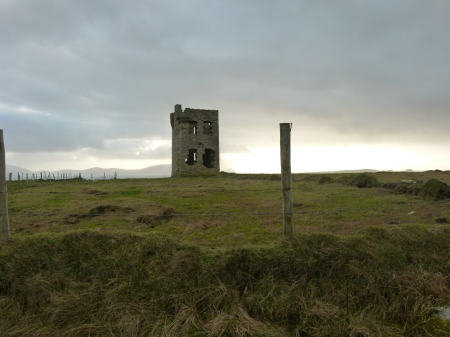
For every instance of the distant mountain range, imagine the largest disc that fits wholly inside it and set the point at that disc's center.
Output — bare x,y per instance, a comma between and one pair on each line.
349,171
363,171
155,171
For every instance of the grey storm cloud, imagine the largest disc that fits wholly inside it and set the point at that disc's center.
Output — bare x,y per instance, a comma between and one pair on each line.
40,132
365,70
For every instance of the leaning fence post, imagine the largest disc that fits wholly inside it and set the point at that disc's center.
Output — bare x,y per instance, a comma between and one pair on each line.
4,221
286,179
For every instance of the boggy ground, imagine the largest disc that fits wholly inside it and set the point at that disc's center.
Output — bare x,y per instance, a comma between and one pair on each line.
205,257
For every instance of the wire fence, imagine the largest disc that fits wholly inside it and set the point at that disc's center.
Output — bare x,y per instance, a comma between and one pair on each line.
49,176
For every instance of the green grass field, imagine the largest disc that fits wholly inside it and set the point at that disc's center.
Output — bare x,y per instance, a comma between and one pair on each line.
225,211
206,257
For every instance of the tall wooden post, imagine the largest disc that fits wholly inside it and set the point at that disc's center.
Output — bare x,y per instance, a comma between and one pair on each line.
286,179
4,221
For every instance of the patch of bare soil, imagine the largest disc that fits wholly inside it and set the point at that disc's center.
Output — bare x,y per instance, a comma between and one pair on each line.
157,219
95,192
97,211
103,209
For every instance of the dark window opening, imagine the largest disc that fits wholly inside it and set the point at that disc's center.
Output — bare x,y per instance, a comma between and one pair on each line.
192,157
209,157
193,128
207,128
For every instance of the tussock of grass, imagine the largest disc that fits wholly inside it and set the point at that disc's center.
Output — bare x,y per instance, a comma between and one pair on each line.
436,190
86,283
360,180
433,189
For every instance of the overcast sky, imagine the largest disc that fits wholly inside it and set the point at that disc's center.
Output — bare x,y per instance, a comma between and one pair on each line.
92,82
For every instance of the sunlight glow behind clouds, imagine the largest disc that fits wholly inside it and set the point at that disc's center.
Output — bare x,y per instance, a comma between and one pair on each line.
319,159
263,160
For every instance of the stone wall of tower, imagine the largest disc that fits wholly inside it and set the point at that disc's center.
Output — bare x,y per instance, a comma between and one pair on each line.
195,142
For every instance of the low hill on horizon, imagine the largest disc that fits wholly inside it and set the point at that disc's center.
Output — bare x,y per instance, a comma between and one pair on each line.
159,171
15,170
348,171
99,172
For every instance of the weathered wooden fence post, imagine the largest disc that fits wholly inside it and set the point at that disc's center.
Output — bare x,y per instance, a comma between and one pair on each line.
286,179
4,221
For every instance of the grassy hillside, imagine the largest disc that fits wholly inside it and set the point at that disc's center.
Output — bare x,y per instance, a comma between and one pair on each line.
205,257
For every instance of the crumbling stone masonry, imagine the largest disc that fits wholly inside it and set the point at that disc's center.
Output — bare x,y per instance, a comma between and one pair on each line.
195,142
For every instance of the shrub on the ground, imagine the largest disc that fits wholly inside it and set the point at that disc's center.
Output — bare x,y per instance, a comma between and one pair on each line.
325,180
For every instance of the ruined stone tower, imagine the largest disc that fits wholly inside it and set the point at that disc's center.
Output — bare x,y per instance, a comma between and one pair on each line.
195,142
